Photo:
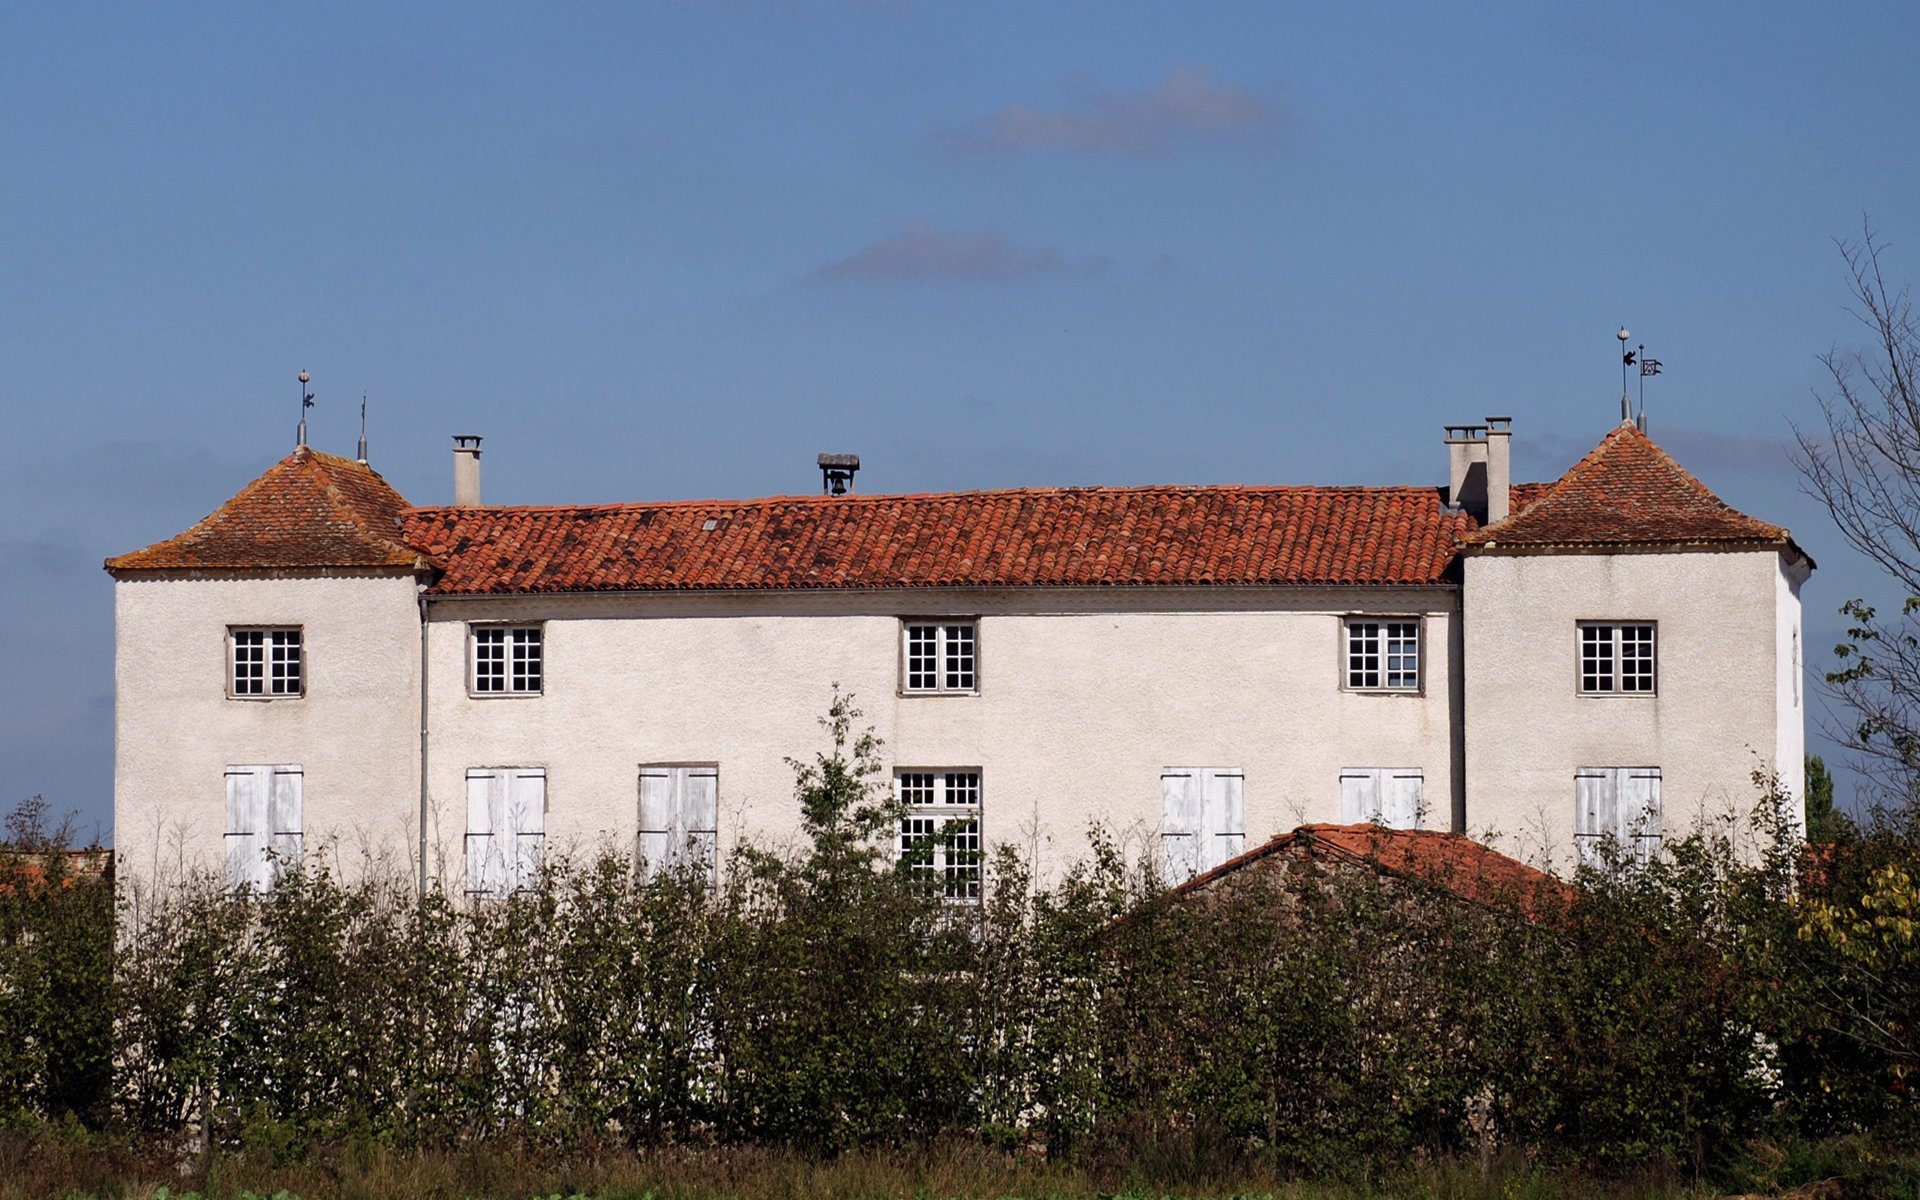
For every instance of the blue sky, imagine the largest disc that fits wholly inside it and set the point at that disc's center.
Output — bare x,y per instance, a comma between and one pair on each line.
658,251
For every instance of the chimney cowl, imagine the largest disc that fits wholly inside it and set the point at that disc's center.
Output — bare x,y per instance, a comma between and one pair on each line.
466,470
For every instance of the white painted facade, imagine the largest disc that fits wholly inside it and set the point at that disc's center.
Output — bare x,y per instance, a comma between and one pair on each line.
1724,706
353,731
1084,698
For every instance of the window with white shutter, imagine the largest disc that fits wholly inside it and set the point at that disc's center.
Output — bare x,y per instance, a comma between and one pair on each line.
506,829
1202,819
679,819
1389,796
1617,803
264,823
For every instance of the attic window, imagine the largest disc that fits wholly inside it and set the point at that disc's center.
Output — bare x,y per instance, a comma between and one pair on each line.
1383,655
265,664
508,660
1616,658
939,657
710,524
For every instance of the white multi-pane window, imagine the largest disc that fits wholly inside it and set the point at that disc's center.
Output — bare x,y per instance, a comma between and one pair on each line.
264,823
1389,796
1202,819
1616,657
940,830
1619,805
508,660
265,662
940,656
506,829
1383,655
679,819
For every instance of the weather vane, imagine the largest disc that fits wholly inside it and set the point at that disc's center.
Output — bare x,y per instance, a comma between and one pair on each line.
1648,366
306,402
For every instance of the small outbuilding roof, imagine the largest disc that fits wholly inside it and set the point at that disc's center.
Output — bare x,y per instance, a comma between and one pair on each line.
1451,861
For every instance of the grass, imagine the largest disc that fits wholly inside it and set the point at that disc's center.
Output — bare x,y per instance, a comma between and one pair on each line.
80,1166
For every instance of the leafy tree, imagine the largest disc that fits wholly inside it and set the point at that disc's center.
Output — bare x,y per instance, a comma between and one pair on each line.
1825,823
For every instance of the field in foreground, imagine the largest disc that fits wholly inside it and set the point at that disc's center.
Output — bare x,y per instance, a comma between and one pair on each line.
47,1165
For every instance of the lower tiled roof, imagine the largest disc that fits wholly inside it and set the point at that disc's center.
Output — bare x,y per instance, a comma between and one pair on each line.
1065,537
1451,861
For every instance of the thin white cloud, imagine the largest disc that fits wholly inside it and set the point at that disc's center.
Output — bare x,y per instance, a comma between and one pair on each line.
1188,105
923,254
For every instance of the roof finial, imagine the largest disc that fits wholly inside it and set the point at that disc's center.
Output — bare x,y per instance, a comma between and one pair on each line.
306,402
363,427
1626,360
1648,366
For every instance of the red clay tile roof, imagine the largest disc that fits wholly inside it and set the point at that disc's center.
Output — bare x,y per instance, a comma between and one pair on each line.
1448,860
1627,492
308,510
314,510
1039,537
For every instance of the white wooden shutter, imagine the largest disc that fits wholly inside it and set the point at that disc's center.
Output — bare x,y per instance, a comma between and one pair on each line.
486,861
656,819
1400,807
1224,816
1639,809
248,789
1596,810
1180,813
700,817
526,794
285,830
1359,795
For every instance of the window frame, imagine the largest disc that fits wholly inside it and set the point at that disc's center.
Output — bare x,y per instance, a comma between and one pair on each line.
474,630
941,660
266,661
1616,646
940,873
1345,653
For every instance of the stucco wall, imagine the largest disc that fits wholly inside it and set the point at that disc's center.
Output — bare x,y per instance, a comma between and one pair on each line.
1790,684
1084,698
1714,719
354,732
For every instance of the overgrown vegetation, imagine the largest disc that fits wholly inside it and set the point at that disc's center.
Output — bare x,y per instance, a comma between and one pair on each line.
1304,1023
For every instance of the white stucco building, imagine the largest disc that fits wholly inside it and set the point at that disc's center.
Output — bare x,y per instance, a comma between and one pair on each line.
464,689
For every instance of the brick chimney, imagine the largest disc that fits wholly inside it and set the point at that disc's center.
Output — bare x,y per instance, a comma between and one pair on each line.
466,469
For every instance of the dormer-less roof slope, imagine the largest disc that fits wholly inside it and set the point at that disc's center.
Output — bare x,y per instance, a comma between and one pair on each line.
1627,492
1035,537
1452,861
309,511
